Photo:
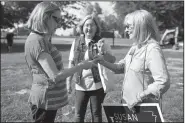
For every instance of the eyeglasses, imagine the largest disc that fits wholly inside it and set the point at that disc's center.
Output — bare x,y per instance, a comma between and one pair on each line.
128,26
57,20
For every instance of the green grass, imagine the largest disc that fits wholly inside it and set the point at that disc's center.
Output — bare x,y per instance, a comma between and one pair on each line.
15,77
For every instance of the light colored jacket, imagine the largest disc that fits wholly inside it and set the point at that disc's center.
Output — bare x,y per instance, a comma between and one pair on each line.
145,68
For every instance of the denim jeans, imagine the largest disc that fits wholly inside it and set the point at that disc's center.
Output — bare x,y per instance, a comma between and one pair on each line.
43,116
82,98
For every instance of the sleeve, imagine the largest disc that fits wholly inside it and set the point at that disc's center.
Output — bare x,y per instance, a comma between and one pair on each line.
37,47
107,49
157,65
71,54
120,66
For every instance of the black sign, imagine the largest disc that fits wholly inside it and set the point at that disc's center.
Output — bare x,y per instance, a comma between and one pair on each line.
146,112
107,34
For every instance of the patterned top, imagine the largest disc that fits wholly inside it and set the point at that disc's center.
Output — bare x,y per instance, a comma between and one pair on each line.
43,94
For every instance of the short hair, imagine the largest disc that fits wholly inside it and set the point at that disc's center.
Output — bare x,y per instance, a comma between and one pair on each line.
39,16
96,21
144,26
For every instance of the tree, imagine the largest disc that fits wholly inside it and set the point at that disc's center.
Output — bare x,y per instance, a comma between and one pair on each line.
112,22
18,11
169,14
1,15
91,9
97,8
1,18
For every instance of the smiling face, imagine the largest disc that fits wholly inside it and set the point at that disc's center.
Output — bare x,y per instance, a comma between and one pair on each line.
54,21
89,29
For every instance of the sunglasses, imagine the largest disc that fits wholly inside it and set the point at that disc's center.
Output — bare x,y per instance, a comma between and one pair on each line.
128,26
57,20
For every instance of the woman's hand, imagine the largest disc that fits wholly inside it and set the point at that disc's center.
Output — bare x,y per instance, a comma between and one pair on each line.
101,46
98,59
105,50
138,99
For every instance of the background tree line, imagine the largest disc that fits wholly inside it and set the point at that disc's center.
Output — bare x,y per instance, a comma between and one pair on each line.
168,14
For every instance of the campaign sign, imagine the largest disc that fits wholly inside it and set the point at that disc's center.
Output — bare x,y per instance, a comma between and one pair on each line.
145,112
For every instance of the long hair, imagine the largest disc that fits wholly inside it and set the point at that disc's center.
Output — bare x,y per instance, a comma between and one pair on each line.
39,16
144,26
95,19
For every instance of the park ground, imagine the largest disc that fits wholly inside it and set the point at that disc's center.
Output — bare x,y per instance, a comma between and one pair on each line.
16,82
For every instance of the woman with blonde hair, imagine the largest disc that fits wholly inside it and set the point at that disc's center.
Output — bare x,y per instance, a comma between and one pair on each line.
88,83
146,75
48,91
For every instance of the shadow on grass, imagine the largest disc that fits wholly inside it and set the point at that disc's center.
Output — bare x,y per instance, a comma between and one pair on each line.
19,47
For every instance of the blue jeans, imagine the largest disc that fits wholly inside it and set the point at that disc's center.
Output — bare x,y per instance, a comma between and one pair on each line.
96,98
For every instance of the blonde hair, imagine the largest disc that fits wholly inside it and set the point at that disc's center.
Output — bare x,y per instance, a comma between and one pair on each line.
39,16
144,26
95,19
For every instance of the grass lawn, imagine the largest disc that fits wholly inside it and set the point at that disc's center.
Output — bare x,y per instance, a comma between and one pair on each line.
15,77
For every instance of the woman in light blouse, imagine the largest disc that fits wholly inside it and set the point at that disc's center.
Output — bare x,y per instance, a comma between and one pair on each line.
146,75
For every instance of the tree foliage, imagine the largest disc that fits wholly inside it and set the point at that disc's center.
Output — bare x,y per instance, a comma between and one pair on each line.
97,8
111,22
89,8
169,14
19,11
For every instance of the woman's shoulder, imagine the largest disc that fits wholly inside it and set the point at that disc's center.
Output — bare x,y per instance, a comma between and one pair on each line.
153,44
153,47
34,39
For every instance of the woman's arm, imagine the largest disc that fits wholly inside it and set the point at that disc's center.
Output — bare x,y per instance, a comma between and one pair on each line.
108,55
69,79
70,65
117,68
49,67
158,68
